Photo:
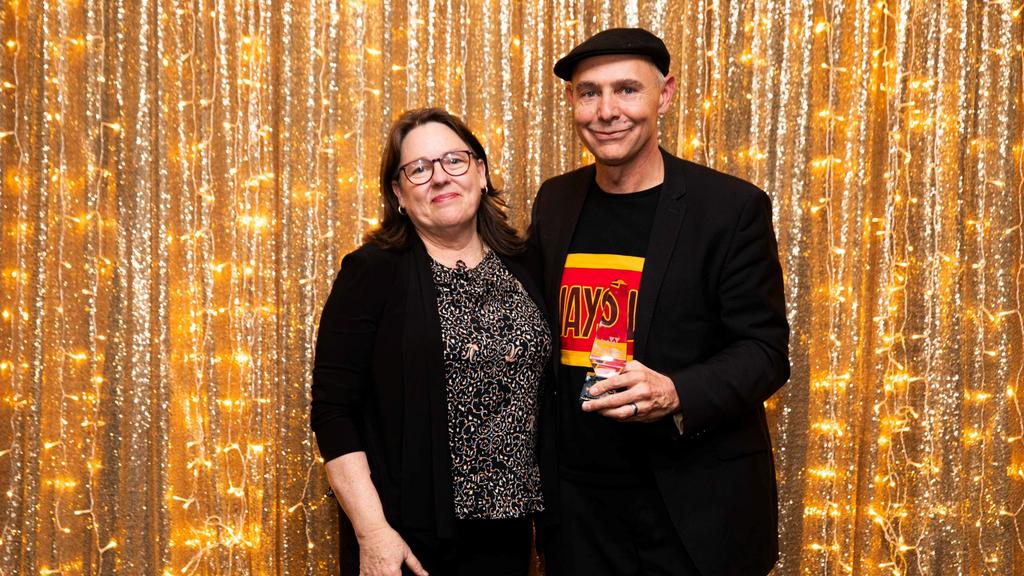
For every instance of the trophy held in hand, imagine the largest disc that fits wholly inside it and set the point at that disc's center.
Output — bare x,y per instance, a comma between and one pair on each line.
608,355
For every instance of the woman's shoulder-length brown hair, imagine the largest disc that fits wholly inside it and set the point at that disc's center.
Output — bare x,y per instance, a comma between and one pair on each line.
396,231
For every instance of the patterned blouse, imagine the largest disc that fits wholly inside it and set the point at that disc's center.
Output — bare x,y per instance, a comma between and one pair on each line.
496,343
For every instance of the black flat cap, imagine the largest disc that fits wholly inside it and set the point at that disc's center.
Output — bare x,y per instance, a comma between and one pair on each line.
615,41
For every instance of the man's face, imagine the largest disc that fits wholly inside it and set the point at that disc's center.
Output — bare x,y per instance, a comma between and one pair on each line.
616,102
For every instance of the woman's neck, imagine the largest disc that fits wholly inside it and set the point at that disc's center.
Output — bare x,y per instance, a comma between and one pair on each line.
468,248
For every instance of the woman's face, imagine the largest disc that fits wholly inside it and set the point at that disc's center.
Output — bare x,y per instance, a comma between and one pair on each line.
445,205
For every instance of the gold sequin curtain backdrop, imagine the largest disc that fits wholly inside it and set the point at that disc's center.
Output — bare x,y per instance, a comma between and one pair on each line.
181,179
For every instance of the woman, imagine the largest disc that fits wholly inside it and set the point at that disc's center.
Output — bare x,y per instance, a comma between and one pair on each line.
429,356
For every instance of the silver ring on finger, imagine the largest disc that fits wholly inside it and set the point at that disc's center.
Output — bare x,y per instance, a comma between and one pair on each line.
635,409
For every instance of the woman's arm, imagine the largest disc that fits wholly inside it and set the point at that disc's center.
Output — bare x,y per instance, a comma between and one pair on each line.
341,375
382,551
345,340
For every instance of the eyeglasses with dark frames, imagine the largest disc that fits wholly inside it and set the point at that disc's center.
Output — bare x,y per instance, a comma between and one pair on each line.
421,170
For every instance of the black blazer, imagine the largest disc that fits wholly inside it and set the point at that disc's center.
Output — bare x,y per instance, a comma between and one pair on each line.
378,381
710,315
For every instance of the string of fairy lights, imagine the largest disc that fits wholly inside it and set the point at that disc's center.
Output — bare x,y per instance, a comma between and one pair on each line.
180,180
826,477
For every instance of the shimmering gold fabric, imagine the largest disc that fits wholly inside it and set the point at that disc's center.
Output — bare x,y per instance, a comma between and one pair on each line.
180,180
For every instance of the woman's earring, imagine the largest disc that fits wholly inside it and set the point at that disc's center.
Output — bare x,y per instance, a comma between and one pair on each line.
401,210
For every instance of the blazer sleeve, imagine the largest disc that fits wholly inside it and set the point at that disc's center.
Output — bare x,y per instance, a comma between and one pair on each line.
344,349
754,363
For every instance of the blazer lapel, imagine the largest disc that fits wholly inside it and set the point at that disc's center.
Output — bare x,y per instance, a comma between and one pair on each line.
565,226
521,273
667,221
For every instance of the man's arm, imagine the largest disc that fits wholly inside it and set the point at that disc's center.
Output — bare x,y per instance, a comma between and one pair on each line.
755,362
748,370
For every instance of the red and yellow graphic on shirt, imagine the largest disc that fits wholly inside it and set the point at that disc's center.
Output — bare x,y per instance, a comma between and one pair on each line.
584,300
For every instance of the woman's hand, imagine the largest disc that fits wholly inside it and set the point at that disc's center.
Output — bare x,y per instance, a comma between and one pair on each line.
382,552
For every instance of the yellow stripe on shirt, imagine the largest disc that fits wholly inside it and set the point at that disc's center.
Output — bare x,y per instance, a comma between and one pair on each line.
576,358
605,261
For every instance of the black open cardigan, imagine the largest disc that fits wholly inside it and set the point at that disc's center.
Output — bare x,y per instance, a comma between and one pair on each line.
378,380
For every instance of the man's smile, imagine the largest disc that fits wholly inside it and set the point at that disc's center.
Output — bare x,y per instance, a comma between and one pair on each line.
607,134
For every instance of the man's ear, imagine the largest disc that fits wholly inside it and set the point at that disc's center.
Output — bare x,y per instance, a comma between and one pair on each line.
668,90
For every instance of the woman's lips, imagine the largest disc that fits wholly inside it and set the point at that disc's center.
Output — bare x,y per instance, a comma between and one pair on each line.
444,197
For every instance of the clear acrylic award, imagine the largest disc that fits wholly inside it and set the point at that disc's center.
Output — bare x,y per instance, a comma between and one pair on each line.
608,354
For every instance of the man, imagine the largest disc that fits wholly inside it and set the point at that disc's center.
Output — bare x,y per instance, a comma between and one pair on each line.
673,472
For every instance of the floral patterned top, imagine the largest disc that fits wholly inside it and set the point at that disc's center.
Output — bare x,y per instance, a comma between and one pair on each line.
496,344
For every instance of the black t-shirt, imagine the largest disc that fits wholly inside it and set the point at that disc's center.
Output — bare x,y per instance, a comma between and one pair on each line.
609,245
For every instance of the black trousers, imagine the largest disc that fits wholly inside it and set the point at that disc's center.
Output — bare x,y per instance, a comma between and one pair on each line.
481,547
491,547
613,531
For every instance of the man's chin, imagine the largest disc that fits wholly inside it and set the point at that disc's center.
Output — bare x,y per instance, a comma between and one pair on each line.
602,150
608,158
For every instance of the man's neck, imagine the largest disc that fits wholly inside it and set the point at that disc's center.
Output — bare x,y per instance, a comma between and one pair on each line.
644,172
